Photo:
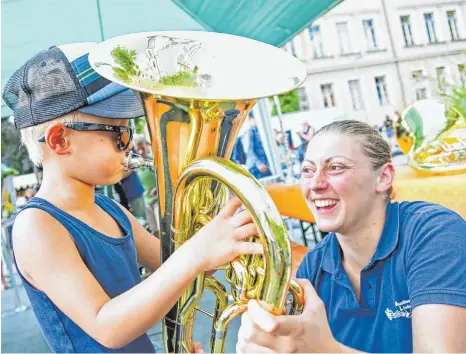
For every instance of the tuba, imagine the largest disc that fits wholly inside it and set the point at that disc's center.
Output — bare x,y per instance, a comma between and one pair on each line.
197,89
433,135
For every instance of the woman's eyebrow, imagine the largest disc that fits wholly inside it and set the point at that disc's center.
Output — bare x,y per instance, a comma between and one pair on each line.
327,160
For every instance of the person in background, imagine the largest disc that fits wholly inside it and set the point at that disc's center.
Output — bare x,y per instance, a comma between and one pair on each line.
134,191
284,160
149,182
305,133
256,159
238,155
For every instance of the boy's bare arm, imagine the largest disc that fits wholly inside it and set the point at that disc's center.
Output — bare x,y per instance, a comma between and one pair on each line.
51,259
147,245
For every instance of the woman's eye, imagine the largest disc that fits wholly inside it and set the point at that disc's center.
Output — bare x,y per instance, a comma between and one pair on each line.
307,170
336,168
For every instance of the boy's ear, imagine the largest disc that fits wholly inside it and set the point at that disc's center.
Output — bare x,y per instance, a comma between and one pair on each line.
57,139
386,178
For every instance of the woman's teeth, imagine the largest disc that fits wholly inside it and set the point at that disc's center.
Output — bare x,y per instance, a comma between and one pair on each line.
321,203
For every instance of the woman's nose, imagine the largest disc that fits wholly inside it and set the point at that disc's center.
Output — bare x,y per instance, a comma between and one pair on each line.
318,181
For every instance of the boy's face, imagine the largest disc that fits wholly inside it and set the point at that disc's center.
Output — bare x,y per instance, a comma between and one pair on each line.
93,156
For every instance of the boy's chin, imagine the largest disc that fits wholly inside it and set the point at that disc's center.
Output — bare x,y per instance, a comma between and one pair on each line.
104,180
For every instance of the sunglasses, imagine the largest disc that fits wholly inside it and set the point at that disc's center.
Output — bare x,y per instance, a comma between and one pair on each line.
124,133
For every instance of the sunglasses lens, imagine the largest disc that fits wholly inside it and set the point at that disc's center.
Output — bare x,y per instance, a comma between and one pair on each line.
125,139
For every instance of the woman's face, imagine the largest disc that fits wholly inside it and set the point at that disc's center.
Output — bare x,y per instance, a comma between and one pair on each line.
338,182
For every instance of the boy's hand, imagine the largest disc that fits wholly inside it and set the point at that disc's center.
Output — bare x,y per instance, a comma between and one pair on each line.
223,239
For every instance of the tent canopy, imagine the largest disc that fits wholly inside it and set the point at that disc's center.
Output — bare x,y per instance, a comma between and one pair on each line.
29,26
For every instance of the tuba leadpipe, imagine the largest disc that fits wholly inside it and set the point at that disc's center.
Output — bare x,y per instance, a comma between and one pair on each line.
197,89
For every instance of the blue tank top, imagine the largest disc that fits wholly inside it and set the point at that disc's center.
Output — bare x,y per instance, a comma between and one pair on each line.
112,261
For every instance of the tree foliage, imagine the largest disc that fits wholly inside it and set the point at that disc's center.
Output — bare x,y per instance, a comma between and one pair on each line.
14,155
289,102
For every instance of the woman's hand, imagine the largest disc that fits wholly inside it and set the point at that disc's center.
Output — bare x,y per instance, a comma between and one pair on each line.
223,239
262,332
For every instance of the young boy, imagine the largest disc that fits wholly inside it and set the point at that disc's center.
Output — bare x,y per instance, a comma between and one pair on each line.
77,251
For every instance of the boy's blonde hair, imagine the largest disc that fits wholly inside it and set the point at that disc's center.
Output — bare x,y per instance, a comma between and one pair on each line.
30,136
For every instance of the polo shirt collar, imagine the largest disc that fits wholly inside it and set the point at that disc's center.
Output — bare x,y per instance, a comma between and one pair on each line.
390,234
387,243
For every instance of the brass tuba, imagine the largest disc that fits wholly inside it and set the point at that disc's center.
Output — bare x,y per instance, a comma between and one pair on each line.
433,135
197,89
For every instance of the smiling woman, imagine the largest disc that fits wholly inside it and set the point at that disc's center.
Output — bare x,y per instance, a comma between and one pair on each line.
382,280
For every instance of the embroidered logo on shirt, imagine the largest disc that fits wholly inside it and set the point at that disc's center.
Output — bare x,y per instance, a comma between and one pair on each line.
403,309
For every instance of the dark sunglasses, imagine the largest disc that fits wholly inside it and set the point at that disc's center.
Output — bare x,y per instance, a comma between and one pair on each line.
124,134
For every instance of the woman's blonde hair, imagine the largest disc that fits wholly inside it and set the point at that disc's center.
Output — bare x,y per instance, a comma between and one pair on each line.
30,136
373,144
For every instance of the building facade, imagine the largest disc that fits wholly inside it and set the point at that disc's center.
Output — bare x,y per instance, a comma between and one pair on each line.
373,58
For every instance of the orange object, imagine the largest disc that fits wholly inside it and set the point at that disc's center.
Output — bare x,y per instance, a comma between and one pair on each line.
449,191
297,254
290,201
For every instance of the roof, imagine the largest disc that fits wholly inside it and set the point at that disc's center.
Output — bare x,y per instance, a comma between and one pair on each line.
29,26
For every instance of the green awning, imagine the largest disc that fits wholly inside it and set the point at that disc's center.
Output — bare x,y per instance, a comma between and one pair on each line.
29,26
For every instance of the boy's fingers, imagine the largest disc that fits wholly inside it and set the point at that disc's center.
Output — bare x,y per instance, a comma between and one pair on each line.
243,217
245,231
230,207
198,348
249,248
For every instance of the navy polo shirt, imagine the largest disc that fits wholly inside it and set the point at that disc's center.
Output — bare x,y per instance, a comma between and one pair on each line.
420,259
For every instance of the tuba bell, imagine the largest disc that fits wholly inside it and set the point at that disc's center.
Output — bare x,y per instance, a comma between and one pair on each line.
197,89
433,136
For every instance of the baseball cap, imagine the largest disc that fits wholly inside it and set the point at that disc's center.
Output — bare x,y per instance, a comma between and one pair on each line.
60,80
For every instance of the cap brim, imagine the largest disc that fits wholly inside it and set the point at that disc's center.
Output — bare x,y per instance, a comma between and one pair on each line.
123,105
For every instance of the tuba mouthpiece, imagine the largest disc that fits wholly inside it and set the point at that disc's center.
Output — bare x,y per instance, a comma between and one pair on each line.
134,161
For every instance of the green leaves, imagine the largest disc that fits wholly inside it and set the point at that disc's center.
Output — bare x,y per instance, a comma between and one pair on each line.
125,59
289,102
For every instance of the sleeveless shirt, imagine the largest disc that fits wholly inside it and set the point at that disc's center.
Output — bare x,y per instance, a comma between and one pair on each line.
112,261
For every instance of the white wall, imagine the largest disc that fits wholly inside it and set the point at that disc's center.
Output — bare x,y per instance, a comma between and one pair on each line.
397,64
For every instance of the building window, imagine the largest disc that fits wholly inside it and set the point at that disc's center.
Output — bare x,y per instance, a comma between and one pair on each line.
462,71
407,33
328,95
430,27
343,37
369,30
356,95
451,15
421,94
303,100
290,47
441,77
316,41
381,87
418,75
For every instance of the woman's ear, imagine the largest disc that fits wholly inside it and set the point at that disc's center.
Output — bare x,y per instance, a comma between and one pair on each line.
386,178
57,139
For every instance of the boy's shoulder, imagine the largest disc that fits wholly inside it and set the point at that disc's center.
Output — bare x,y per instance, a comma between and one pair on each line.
35,224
